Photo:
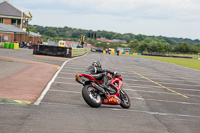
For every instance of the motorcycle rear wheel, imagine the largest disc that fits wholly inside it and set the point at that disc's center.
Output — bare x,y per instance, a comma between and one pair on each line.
91,96
125,101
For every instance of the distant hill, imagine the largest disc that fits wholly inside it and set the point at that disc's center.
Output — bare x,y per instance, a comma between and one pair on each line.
68,32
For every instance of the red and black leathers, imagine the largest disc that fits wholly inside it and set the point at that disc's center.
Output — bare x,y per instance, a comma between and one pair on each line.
99,73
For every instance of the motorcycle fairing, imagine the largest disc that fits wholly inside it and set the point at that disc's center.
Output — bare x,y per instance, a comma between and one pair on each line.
113,99
87,76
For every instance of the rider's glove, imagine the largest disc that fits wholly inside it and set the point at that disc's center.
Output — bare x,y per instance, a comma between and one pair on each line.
115,72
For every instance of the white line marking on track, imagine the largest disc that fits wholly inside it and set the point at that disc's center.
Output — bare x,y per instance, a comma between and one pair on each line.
136,80
157,113
144,99
137,111
150,91
67,83
52,80
145,86
170,78
63,104
65,78
184,89
176,83
68,73
65,91
150,86
160,92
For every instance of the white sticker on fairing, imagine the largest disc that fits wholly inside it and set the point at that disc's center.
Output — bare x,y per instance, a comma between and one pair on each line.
117,99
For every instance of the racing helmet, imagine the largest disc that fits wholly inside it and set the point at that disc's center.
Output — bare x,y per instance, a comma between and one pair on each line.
96,64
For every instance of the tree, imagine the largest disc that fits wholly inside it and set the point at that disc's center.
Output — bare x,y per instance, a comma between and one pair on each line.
194,49
140,37
184,47
51,33
143,47
163,44
168,48
68,34
33,30
134,44
116,36
61,34
154,47
147,40
197,44
127,38
160,47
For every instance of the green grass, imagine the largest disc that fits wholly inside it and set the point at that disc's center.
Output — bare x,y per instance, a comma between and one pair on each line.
5,100
195,64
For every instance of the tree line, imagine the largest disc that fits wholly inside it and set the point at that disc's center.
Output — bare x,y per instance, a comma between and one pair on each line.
137,43
156,45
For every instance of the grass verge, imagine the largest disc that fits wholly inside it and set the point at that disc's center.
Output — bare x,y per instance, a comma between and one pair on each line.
5,100
195,64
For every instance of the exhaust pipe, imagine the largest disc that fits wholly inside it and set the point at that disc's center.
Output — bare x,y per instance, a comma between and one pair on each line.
98,87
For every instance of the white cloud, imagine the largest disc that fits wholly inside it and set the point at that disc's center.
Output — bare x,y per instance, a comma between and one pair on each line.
156,17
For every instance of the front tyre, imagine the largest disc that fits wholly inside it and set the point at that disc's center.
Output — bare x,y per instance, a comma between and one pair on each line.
91,96
125,101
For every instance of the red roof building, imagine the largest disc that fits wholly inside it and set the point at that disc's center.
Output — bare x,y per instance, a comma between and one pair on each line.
13,23
103,39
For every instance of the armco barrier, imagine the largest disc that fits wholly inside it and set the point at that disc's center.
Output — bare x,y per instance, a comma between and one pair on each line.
112,52
52,50
169,56
121,53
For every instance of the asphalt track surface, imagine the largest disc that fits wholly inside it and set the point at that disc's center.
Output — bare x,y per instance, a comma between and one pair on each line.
165,99
23,76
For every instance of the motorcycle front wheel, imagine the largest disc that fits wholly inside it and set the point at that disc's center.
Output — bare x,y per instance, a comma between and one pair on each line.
91,96
125,101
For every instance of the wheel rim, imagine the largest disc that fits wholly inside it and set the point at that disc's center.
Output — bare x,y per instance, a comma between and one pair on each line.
94,95
125,98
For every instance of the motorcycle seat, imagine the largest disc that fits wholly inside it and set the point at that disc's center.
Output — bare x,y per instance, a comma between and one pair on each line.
97,76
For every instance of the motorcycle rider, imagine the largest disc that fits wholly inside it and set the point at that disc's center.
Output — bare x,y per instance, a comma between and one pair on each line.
98,73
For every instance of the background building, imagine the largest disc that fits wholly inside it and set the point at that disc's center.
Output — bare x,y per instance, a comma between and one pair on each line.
13,25
103,39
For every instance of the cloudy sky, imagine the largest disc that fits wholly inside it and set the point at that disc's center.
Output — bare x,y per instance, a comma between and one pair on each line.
171,18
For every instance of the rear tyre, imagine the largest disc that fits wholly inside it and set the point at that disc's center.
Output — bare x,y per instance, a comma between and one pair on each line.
125,101
91,96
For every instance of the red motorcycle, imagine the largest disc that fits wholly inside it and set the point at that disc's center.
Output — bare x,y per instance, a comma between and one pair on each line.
94,94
